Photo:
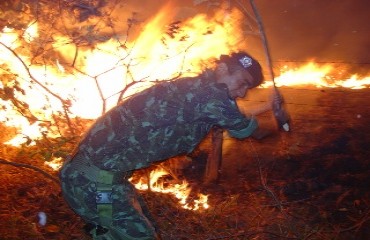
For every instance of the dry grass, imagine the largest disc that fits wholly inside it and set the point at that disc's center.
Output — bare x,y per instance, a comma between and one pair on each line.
317,195
241,210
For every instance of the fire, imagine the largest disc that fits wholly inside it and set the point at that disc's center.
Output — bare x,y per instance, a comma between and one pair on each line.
180,191
107,68
313,74
55,163
27,132
31,32
92,79
355,82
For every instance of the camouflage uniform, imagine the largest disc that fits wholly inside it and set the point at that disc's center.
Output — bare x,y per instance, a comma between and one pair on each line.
163,121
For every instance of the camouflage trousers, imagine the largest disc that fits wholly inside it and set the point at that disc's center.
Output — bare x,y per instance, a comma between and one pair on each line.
128,220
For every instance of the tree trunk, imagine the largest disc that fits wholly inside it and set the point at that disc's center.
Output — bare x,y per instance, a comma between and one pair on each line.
215,156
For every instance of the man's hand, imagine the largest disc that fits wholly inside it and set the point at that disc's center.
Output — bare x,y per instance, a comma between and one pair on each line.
280,114
275,101
256,110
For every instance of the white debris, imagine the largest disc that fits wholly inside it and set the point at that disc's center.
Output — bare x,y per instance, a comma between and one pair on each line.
286,127
42,218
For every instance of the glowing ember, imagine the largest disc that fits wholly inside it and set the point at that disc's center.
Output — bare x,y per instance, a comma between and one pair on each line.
55,163
180,191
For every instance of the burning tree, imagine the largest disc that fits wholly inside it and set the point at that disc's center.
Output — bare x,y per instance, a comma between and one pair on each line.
66,62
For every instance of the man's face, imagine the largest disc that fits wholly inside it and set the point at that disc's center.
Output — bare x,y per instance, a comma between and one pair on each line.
239,83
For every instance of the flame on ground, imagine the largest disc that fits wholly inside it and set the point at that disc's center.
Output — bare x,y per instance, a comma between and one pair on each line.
180,191
312,74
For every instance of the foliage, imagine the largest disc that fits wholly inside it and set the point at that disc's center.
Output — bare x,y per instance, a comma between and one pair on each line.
85,23
41,39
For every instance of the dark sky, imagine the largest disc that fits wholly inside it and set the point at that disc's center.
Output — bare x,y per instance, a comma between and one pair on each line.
327,30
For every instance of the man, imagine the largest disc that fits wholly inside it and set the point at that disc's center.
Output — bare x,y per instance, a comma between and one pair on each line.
163,121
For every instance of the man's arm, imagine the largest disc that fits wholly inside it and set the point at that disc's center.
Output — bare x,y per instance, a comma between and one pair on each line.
261,133
257,110
264,107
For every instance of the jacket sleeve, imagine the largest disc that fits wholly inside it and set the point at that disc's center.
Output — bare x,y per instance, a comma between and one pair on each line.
245,132
224,112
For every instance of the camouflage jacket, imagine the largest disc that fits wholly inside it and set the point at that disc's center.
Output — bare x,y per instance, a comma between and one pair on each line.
165,120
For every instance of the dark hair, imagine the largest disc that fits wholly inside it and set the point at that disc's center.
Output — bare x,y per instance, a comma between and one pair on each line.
242,60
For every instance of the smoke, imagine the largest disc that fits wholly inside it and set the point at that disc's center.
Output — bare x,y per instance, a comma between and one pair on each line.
141,12
322,31
325,31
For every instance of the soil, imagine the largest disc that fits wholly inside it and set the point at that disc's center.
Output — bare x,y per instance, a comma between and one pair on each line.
309,183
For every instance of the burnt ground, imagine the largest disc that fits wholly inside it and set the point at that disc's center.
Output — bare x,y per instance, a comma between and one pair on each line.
310,183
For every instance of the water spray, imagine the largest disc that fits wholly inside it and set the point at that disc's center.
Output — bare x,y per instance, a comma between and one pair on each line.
280,114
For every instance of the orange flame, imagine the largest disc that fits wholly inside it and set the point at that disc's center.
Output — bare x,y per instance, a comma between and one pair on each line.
146,58
112,66
180,191
312,74
55,163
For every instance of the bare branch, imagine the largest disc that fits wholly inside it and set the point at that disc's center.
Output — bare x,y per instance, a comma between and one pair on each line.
65,103
23,165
